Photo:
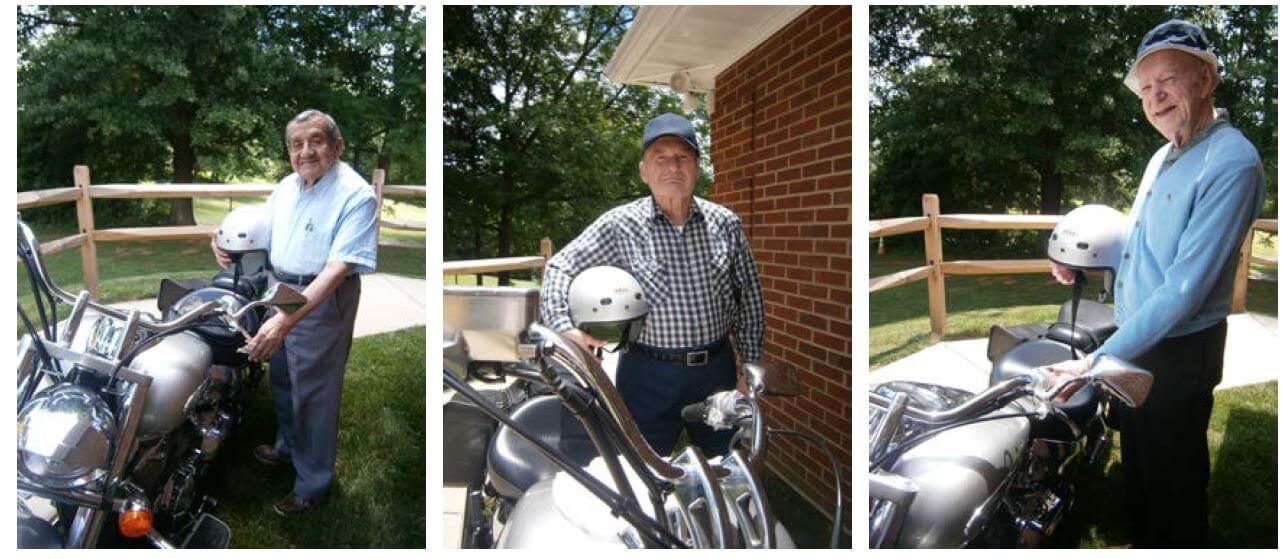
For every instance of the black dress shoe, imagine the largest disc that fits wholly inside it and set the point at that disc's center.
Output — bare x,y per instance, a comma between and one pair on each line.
267,455
293,505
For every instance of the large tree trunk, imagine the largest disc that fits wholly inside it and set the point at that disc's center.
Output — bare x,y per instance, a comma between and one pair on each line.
505,239
477,248
1050,189
180,209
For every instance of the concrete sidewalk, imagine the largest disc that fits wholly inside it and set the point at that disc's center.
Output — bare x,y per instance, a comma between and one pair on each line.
388,302
1251,356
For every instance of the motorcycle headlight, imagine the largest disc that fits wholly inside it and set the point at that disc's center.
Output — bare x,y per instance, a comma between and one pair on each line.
65,437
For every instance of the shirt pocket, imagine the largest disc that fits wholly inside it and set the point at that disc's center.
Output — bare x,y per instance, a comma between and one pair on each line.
314,246
719,269
648,269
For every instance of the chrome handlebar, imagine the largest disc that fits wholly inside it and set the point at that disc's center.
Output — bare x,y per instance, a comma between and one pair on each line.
28,238
979,403
556,348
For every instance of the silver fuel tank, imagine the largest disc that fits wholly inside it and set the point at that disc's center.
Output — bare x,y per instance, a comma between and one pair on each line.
958,472
177,365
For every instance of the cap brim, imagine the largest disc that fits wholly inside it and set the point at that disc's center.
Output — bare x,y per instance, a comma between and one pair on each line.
672,135
1133,82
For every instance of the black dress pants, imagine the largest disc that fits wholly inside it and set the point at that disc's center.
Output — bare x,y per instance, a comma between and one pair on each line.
1166,466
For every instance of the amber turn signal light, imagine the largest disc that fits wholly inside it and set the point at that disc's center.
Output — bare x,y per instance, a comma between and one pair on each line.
135,523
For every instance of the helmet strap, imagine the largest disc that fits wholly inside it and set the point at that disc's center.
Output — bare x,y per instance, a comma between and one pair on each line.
1080,279
236,272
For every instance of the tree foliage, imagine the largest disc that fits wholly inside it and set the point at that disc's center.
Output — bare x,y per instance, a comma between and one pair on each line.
1000,108
537,141
201,93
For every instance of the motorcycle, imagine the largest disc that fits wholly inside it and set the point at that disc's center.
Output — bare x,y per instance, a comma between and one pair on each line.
553,458
949,468
121,412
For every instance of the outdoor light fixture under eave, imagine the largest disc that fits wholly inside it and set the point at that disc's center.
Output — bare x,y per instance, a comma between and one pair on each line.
684,48
680,82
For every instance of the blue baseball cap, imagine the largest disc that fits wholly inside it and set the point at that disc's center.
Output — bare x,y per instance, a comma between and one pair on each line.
669,124
1176,34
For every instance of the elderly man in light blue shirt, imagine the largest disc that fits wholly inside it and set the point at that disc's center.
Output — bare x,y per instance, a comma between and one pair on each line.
1196,202
324,234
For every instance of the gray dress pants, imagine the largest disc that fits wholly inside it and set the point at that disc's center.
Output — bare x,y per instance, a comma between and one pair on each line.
307,382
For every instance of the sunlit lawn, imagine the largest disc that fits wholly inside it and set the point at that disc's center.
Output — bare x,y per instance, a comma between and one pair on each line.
130,271
378,500
899,324
1242,495
1243,434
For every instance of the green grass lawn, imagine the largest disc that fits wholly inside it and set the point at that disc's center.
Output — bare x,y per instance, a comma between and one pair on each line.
1243,435
379,499
132,271
1243,493
899,324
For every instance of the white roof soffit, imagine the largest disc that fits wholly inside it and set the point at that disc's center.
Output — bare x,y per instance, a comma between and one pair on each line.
700,40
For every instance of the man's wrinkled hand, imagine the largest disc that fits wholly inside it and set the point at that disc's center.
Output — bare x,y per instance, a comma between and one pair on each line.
224,261
584,340
1065,372
1062,274
270,337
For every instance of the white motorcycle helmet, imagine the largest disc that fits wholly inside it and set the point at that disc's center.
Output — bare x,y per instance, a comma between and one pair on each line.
1090,237
245,229
608,298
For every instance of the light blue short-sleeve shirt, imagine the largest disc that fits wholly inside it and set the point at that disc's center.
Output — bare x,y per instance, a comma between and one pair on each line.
336,220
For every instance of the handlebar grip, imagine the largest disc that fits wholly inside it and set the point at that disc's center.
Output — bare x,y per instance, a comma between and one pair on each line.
695,413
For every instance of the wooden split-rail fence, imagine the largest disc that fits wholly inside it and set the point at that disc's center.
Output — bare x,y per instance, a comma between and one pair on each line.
931,223
83,193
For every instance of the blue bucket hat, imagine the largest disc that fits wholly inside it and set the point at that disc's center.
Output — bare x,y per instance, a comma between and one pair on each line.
1174,34
669,124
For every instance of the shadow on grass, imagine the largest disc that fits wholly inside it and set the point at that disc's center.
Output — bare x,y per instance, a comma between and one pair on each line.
917,340
378,500
1246,468
1242,493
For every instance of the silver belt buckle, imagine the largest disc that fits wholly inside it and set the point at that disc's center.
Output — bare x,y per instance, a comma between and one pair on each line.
697,358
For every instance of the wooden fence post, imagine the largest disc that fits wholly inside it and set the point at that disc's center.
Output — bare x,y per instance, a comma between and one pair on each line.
935,277
85,222
379,176
545,250
1238,302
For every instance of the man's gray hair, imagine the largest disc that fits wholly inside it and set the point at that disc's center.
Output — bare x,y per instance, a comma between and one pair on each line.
331,128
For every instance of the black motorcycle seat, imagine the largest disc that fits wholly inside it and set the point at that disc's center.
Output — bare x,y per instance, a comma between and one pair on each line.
1022,359
249,286
514,464
1094,323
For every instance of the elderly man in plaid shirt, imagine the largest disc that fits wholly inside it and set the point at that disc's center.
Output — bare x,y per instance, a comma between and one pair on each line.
693,262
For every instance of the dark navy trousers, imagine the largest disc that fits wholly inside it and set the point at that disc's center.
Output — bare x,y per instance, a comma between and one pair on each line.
1166,465
656,391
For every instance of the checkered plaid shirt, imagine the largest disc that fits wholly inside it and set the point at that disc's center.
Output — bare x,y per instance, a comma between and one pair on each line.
700,281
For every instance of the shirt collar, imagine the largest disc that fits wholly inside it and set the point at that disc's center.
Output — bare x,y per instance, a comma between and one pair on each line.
657,214
321,183
1221,120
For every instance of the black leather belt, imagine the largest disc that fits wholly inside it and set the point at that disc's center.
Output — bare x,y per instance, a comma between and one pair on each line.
696,358
296,279
300,279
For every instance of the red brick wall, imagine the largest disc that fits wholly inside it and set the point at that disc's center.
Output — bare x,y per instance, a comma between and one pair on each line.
781,155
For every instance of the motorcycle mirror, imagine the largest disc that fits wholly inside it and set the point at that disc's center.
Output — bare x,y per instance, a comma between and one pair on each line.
284,298
772,378
281,296
1122,379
